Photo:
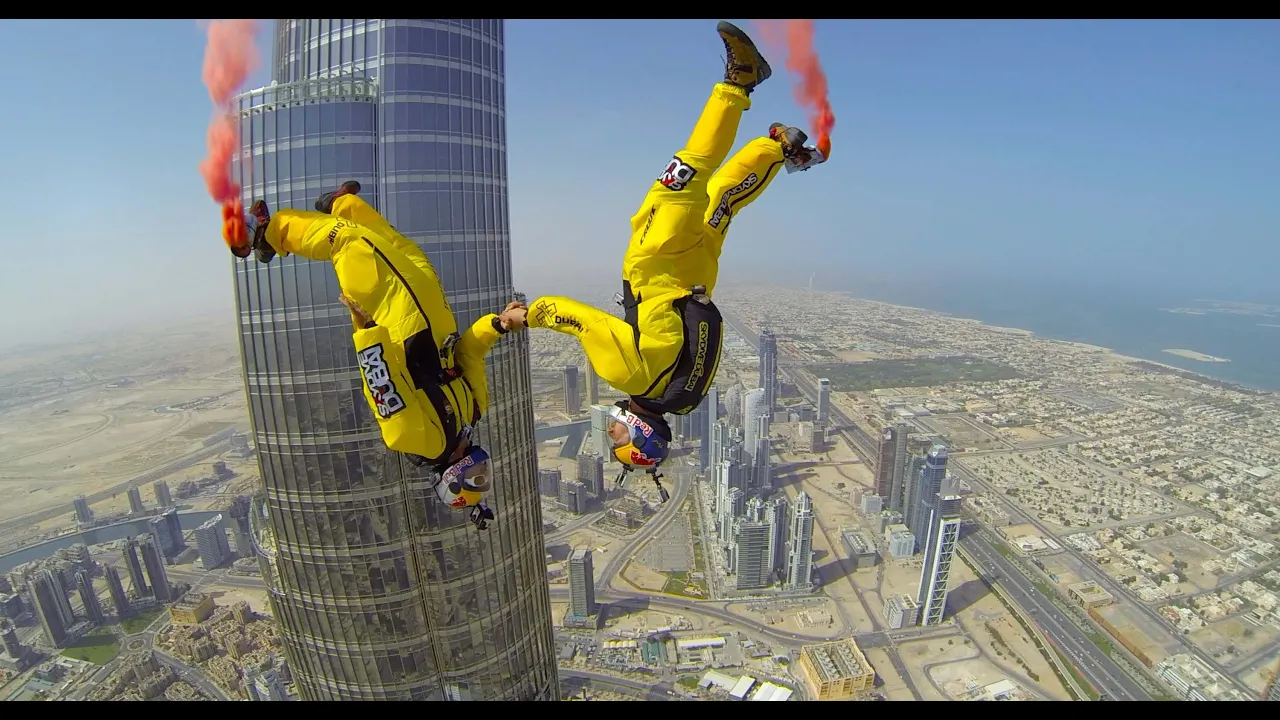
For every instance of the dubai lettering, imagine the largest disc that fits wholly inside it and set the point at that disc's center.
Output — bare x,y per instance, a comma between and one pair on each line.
377,376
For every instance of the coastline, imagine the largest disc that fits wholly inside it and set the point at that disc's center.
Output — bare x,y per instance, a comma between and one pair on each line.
1193,355
1097,348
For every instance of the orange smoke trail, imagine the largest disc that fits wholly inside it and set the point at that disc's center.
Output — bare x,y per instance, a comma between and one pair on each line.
802,60
230,55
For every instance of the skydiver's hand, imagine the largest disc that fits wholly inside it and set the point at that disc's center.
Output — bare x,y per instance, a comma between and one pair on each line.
514,317
359,317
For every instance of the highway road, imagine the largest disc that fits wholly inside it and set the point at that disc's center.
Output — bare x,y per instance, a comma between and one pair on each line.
655,692
1091,662
659,522
1120,590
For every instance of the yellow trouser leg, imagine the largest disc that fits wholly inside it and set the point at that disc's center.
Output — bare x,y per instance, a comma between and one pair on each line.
736,185
355,209
671,216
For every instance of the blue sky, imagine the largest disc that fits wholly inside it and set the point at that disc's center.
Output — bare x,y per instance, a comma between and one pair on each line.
1101,153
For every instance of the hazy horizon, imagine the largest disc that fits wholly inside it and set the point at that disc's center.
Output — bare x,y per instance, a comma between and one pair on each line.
1118,157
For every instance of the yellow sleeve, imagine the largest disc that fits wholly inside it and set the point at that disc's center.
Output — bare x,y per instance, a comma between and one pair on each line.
400,409
608,341
469,354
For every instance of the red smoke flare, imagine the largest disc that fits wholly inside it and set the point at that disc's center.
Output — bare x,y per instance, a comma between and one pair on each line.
230,55
802,60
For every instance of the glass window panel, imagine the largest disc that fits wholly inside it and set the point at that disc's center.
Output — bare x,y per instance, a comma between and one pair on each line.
362,158
328,118
362,118
413,78
469,211
417,115
313,164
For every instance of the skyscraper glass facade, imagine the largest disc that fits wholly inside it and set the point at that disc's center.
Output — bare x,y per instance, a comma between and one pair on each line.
380,591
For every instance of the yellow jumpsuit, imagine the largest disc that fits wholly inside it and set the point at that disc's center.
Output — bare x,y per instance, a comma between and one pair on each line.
390,277
676,240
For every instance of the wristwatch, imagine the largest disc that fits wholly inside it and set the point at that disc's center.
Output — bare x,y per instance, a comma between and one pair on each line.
497,325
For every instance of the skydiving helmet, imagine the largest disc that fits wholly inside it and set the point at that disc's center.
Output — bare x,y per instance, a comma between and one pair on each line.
462,483
645,447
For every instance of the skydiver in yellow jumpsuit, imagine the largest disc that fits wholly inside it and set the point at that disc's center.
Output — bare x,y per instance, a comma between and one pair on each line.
664,355
424,382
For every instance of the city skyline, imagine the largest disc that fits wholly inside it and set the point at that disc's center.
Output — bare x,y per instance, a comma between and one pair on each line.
874,500
1089,135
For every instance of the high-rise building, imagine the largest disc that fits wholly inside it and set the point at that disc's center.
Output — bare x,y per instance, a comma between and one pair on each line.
761,464
582,583
706,454
241,527
775,512
64,583
83,513
901,611
593,385
11,644
735,502
388,603
153,560
924,493
573,496
265,685
768,350
116,588
824,400
44,589
800,548
601,443
175,529
161,489
591,474
733,405
900,469
162,530
135,500
939,551
885,456
572,393
137,581
729,484
211,541
89,598
752,560
752,407
549,481
719,436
